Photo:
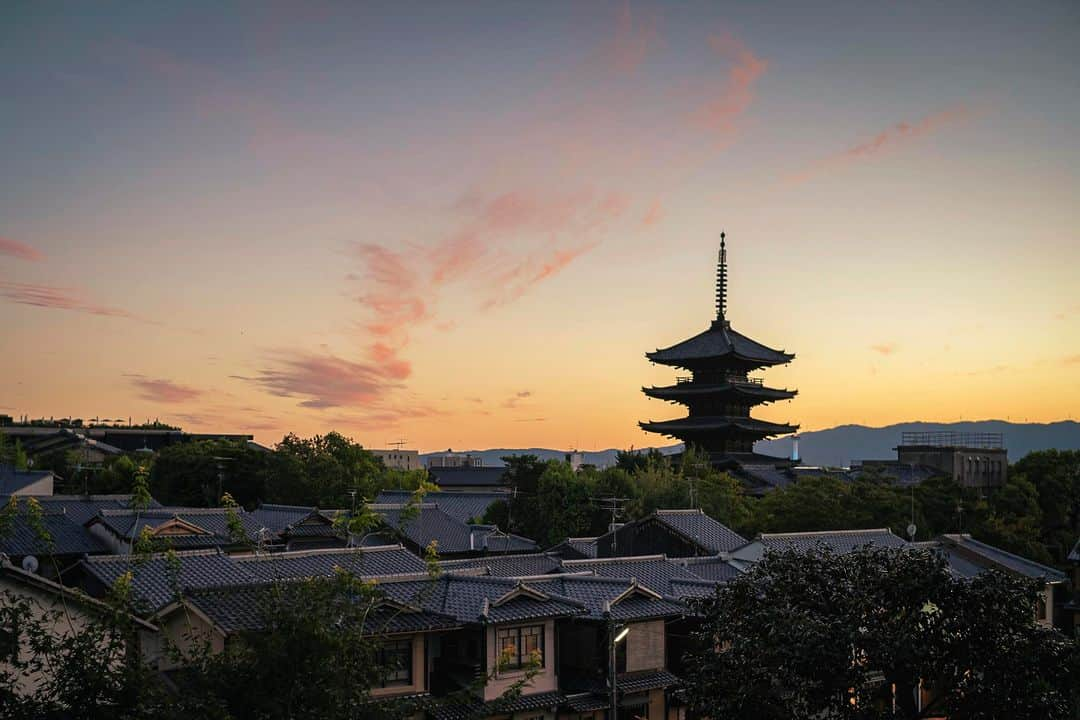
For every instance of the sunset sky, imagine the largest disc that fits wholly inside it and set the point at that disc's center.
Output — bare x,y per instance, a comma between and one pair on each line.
463,224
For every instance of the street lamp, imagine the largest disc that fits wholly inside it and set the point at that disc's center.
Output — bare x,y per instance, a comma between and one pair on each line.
616,634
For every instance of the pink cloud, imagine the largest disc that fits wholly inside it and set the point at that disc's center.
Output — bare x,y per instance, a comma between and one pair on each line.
884,348
517,280
325,381
22,251
721,115
163,391
653,215
886,140
633,40
59,298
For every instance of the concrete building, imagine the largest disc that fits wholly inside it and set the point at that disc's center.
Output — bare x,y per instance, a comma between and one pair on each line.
451,459
399,459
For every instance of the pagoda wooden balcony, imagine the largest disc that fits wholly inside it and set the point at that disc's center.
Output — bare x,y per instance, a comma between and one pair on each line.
729,379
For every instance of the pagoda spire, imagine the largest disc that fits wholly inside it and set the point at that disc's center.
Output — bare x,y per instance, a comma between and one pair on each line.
721,282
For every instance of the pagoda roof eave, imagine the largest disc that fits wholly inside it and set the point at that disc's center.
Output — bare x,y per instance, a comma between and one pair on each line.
720,341
687,390
694,425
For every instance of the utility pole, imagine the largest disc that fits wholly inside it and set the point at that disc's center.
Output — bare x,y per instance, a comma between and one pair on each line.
616,506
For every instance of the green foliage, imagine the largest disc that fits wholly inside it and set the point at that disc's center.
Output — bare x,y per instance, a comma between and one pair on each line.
828,636
321,471
198,473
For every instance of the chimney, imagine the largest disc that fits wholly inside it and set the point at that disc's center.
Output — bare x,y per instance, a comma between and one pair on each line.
795,448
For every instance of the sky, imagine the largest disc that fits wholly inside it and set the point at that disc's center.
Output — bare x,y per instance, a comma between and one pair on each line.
462,225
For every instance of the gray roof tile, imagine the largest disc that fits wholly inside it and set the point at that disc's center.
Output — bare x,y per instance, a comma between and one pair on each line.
508,565
701,529
463,505
839,541
969,557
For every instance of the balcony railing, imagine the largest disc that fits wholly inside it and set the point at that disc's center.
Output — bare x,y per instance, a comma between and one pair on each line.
732,379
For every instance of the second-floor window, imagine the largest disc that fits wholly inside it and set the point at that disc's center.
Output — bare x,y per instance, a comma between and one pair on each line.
395,657
517,644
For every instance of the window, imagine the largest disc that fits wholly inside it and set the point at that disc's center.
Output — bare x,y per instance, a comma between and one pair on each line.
516,645
637,712
395,658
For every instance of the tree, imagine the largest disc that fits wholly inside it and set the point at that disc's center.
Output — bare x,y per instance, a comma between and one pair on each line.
322,470
819,635
198,473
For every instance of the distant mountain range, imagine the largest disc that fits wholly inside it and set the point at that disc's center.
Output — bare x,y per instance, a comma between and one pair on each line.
838,446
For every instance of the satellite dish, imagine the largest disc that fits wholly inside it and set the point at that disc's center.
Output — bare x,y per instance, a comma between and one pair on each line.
911,531
30,564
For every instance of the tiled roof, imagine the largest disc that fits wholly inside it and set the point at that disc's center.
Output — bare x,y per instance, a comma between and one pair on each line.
153,583
710,568
643,680
244,607
452,535
473,599
969,557
575,548
653,571
14,482
701,529
597,593
508,565
839,541
467,476
64,536
80,508
523,703
462,505
684,589
719,340
278,517
127,524
365,562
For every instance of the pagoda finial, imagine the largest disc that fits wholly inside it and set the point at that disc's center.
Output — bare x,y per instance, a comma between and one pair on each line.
721,282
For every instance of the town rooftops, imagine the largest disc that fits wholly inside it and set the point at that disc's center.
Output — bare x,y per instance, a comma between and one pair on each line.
717,569
279,518
702,529
655,572
576,548
473,599
25,482
839,541
185,527
626,600
451,535
156,579
508,565
463,505
57,535
365,562
968,557
80,508
243,608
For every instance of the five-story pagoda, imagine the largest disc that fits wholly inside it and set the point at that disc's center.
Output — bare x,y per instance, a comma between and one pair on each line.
719,392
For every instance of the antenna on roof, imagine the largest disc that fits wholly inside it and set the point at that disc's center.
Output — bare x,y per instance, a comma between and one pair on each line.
721,281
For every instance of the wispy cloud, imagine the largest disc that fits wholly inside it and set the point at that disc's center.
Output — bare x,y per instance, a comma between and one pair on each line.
22,251
884,348
61,298
163,391
1071,360
653,215
324,381
885,141
634,39
722,113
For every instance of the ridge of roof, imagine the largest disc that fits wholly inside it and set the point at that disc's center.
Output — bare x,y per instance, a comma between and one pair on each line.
622,558
315,552
156,555
810,533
